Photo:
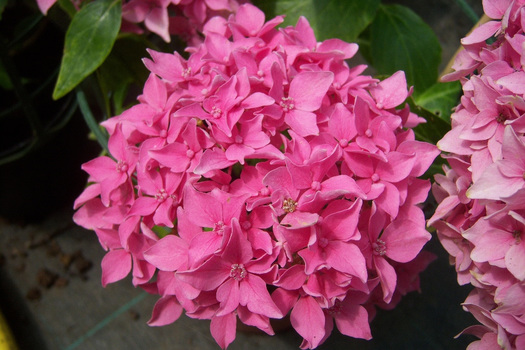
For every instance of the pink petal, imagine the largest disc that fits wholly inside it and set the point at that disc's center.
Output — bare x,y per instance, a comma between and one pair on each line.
513,147
250,18
228,294
168,254
495,9
347,258
257,99
213,159
293,278
255,320
166,310
157,21
223,329
299,219
254,295
116,265
514,82
490,243
390,92
515,260
202,246
387,276
353,321
284,299
389,200
340,185
444,208
342,225
155,93
404,240
44,5
309,88
238,249
314,258
481,33
308,320
173,155
341,123
492,185
398,167
208,276
303,123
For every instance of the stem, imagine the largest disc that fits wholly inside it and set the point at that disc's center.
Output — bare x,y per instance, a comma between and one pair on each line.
102,138
468,11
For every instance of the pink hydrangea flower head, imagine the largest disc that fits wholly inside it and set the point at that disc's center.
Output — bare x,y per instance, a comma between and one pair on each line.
479,218
262,176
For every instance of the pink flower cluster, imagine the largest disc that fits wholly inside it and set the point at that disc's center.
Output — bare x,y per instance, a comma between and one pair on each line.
480,219
185,18
262,177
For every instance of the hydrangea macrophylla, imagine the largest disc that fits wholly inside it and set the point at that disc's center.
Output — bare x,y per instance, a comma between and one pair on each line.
185,18
255,167
480,216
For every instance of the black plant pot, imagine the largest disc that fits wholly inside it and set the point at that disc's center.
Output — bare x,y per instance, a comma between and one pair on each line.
42,142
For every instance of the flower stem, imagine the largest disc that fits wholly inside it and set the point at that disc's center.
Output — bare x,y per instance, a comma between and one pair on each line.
468,10
93,125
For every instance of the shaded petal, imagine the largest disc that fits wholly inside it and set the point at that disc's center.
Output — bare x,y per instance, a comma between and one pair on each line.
387,276
255,296
293,278
116,265
308,320
347,258
166,310
353,321
223,329
208,276
228,295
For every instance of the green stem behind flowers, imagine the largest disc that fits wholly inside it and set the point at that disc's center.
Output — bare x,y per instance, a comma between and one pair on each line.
467,9
91,122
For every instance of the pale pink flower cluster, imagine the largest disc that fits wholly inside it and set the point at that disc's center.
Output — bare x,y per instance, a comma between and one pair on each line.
184,18
480,219
262,177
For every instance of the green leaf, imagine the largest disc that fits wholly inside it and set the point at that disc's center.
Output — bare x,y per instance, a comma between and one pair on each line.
400,40
122,68
89,40
344,20
440,99
161,231
434,129
3,4
68,7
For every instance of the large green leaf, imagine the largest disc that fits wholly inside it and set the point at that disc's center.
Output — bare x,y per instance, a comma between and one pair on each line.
89,40
440,99
342,19
400,40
